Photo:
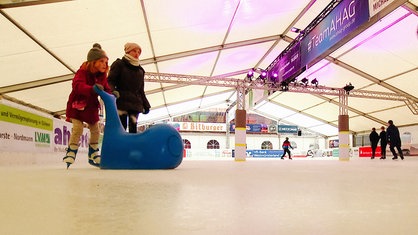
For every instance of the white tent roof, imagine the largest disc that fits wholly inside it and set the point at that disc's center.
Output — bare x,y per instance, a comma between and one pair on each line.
44,43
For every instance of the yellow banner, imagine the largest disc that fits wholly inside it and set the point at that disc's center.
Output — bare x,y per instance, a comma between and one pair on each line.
17,116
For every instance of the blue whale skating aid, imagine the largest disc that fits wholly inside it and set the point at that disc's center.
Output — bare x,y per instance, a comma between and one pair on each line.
159,147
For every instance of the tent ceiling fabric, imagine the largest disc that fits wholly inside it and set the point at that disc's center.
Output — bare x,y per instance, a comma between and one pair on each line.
44,44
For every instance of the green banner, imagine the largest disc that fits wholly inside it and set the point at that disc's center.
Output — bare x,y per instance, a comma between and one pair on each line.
17,116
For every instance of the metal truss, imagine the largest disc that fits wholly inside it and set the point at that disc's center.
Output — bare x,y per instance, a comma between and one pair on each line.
191,80
257,84
322,90
241,85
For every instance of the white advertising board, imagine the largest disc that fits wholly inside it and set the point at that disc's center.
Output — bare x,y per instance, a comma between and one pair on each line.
26,130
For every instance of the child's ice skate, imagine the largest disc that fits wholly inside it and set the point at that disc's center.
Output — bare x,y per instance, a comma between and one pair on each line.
94,157
70,155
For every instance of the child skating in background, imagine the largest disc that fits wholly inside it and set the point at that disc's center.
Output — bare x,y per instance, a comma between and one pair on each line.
83,104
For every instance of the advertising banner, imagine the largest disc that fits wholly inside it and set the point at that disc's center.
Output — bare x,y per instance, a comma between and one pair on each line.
272,128
333,144
18,138
342,20
17,116
366,151
287,129
252,128
199,126
216,127
61,137
290,63
375,6
23,130
264,153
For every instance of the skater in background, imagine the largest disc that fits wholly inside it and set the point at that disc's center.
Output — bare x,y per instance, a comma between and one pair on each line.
126,76
83,104
374,140
286,145
394,140
383,142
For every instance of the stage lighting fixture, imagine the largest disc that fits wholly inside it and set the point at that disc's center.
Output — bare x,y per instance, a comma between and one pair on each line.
348,88
295,30
250,73
263,74
284,86
261,80
304,81
314,82
273,77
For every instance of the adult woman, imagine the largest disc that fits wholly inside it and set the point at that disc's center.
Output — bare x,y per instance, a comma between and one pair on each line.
126,76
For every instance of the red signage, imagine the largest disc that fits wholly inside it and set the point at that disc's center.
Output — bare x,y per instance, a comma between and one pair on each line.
367,151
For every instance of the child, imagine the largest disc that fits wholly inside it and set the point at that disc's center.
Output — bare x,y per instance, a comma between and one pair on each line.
83,104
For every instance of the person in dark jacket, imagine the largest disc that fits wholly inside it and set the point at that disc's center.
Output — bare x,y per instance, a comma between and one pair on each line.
286,145
83,104
374,140
383,142
126,76
394,140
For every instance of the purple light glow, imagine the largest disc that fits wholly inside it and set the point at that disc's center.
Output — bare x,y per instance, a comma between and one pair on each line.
263,74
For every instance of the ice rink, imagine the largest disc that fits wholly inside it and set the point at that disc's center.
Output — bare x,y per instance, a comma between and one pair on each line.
258,196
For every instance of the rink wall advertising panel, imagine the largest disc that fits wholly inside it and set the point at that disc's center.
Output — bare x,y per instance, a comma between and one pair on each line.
264,153
366,151
17,116
25,130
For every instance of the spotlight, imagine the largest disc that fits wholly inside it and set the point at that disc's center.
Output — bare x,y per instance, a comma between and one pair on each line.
304,81
315,82
348,88
284,86
273,76
261,80
250,73
263,74
297,30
